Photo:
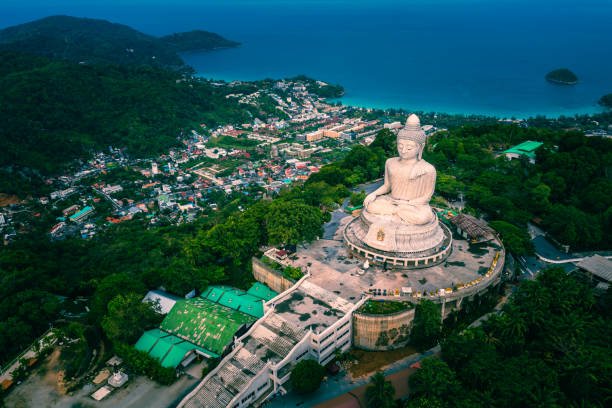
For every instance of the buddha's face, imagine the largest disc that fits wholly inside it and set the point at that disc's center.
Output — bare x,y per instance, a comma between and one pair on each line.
408,149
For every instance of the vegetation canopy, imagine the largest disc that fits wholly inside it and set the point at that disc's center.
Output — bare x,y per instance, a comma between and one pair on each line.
306,376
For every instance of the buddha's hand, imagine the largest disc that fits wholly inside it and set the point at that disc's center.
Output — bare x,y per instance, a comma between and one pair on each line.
369,198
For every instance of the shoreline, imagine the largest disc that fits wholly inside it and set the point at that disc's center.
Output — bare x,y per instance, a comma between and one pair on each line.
593,109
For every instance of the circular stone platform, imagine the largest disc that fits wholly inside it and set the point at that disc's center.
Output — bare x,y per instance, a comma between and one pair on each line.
403,260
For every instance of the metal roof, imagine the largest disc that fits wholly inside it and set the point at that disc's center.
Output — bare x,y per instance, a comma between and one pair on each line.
166,300
598,266
169,349
205,323
526,148
262,291
250,302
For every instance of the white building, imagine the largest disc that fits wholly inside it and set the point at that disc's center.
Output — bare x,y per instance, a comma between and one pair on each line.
262,359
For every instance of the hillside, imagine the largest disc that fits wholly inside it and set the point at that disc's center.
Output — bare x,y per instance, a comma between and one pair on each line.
53,112
92,41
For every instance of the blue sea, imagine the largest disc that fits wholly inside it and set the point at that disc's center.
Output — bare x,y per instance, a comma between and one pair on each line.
456,56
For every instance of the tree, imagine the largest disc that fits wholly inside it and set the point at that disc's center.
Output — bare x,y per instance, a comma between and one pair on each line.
573,226
111,286
380,393
292,222
386,140
435,379
306,376
128,316
427,325
357,198
516,240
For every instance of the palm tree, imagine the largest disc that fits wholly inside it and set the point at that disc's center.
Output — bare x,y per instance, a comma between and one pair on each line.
380,393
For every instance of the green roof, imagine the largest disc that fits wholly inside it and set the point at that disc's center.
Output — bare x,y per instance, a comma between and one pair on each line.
262,291
178,352
213,293
169,349
205,323
250,302
526,148
149,339
162,347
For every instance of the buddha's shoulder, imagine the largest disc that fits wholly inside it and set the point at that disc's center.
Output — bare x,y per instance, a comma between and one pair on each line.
422,168
426,167
392,160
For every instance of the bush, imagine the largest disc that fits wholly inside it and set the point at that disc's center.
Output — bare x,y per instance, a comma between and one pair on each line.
293,273
306,376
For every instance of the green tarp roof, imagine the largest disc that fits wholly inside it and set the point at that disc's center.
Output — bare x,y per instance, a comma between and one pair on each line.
262,291
170,350
148,339
526,148
249,302
205,323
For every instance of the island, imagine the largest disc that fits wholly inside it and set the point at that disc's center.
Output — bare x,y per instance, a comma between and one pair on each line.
606,101
198,40
562,76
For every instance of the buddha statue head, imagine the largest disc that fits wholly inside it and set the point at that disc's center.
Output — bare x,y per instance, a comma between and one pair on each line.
411,139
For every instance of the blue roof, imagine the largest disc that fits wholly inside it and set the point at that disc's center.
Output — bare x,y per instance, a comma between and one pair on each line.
78,214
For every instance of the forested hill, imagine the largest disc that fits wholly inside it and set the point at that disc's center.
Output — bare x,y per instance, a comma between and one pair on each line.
92,41
52,112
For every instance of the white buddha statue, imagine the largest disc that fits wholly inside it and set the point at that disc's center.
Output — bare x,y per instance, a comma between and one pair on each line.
409,180
397,221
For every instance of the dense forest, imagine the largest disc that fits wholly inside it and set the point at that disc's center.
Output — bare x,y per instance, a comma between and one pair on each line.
92,41
548,348
52,113
568,190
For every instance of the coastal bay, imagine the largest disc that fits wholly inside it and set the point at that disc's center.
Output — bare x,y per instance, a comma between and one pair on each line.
444,56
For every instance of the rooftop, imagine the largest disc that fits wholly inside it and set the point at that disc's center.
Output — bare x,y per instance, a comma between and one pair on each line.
312,306
526,148
598,266
170,350
205,323
250,302
166,301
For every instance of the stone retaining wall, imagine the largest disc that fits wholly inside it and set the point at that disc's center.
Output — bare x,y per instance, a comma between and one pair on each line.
382,332
274,279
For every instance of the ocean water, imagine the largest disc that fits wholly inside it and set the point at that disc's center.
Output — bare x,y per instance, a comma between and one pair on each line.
456,56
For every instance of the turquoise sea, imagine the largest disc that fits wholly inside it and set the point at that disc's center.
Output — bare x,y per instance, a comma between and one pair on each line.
456,56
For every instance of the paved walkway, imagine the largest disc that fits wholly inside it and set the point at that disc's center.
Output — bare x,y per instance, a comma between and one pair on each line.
548,253
30,353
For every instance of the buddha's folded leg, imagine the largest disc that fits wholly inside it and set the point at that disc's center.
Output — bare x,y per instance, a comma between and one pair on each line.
383,205
415,214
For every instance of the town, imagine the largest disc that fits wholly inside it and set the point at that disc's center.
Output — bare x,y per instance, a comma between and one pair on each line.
213,167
